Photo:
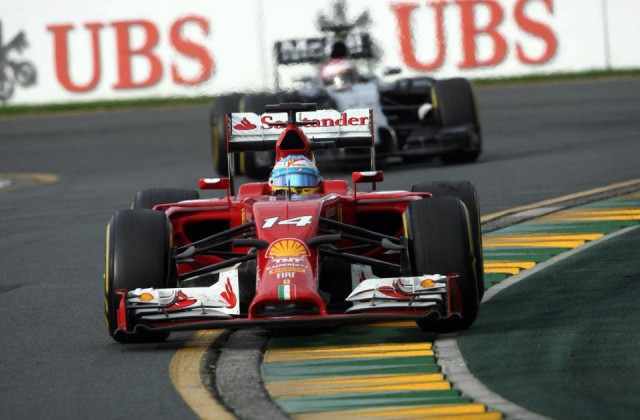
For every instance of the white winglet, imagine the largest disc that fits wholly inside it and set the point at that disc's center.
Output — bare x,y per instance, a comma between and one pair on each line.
399,288
221,299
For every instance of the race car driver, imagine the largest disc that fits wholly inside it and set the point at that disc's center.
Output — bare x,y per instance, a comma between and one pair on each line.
339,74
296,175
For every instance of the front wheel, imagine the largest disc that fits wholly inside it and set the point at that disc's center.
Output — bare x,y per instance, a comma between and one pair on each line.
455,106
465,192
440,243
138,255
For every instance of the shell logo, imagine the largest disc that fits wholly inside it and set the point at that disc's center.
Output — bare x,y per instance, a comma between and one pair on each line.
146,297
427,283
287,248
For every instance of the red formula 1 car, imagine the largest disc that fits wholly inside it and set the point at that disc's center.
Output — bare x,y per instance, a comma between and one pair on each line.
255,258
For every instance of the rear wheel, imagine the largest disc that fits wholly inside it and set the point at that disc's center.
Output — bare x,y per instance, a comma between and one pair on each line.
138,255
440,243
146,199
465,192
455,105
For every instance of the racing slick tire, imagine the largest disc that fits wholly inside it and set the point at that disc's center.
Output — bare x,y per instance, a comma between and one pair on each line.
465,192
440,243
455,105
146,199
222,105
138,255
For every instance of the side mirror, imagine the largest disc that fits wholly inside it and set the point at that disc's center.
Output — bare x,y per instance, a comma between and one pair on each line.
367,176
391,71
213,183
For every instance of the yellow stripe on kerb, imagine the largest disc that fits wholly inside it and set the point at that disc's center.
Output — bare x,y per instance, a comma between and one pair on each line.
620,214
400,412
540,241
507,267
559,200
367,379
184,371
349,352
278,391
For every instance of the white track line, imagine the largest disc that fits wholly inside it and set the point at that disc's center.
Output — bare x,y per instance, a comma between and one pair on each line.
452,362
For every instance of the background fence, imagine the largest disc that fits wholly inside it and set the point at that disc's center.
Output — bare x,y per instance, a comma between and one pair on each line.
75,50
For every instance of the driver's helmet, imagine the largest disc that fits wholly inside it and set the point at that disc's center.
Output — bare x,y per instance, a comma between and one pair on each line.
295,174
339,73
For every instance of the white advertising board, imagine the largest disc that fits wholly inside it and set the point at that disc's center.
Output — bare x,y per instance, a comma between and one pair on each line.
73,50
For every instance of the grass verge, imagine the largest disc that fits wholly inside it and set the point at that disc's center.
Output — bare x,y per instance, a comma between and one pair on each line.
559,77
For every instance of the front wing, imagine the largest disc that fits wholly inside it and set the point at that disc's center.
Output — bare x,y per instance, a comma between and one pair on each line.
433,297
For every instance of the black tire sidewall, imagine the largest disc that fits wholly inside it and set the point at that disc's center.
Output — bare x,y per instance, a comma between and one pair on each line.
454,100
440,243
465,192
138,255
456,106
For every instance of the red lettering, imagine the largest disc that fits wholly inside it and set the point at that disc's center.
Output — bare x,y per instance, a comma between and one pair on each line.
537,29
353,121
327,122
403,12
364,120
126,53
61,56
311,123
470,32
192,50
266,121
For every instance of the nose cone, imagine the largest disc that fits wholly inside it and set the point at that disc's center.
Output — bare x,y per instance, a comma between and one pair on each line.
287,282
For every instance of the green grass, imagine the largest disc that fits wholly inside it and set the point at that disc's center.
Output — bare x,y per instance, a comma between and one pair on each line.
559,77
12,110
110,105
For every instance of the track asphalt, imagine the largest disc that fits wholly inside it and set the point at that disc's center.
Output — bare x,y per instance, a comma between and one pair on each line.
541,141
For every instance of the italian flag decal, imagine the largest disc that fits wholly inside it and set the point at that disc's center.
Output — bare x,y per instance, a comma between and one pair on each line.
284,292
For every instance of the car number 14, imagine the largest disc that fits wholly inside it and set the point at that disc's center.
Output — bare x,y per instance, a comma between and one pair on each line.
301,221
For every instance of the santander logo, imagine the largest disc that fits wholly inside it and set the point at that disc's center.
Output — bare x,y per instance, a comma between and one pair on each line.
343,121
245,124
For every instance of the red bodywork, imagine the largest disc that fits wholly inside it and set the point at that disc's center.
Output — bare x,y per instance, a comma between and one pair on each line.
375,210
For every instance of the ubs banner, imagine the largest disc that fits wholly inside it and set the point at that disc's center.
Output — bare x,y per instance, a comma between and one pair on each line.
73,50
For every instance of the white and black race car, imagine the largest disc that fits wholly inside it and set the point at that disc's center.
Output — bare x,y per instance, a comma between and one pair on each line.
416,117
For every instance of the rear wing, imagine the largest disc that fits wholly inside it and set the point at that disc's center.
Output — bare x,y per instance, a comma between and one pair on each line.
326,128
317,50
